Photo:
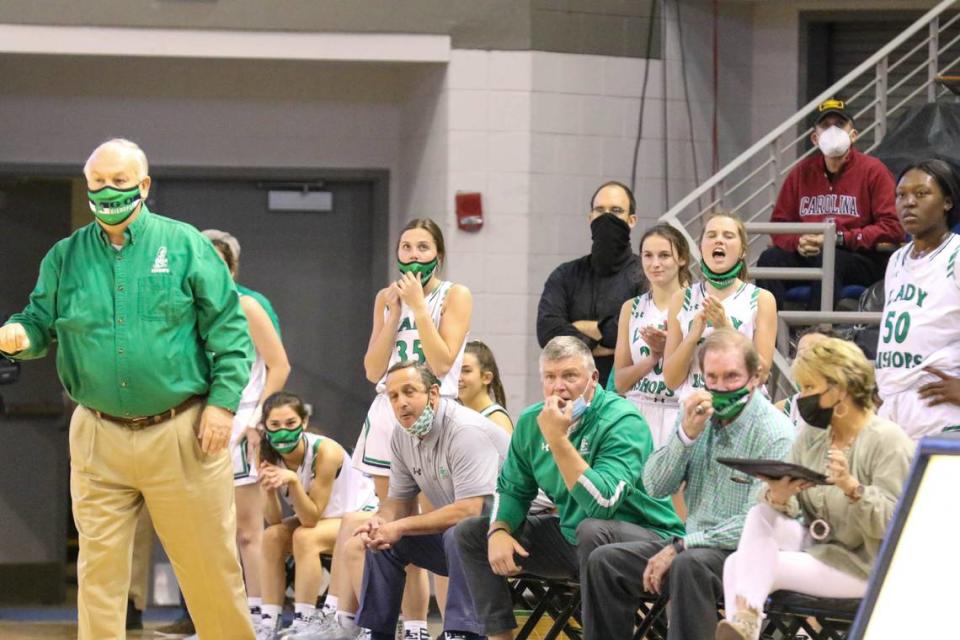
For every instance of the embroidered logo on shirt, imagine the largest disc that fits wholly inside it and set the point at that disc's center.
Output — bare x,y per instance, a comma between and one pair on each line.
544,446
585,447
443,473
160,264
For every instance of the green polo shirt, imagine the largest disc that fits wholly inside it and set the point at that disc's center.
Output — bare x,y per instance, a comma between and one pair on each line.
135,326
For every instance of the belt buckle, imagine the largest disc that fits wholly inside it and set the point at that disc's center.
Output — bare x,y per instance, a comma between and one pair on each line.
136,424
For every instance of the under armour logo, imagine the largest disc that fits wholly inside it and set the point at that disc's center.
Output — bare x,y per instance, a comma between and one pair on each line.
417,471
160,264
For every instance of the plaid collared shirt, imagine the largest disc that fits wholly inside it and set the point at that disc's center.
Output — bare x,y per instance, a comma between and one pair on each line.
717,506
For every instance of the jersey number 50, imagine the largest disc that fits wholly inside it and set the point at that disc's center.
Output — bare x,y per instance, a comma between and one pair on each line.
896,326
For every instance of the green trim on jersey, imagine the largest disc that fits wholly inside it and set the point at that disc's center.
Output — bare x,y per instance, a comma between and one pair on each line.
373,462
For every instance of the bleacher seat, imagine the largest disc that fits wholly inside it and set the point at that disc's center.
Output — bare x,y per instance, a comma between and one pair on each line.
802,294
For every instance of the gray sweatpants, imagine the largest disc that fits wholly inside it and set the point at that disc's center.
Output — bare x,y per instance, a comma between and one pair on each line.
551,556
612,585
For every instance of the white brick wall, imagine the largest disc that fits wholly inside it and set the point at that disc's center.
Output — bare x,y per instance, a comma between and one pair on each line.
535,133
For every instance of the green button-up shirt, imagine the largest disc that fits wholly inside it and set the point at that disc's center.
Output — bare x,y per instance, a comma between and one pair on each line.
717,505
142,328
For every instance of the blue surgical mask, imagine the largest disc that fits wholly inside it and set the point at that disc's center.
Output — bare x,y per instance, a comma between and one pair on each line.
580,407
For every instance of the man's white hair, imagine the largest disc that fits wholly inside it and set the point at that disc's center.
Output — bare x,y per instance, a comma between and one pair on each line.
126,145
563,347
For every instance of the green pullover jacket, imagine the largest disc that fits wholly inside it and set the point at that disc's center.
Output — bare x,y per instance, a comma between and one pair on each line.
614,439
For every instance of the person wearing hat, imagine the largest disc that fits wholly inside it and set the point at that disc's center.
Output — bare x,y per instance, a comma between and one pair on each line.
838,183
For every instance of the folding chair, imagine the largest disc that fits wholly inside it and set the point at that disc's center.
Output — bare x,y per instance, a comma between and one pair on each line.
652,618
788,613
558,599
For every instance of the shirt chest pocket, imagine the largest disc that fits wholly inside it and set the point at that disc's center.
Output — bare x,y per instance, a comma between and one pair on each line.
158,298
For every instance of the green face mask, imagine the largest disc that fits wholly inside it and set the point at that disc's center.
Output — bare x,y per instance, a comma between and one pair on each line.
113,206
728,404
284,441
421,425
720,280
425,269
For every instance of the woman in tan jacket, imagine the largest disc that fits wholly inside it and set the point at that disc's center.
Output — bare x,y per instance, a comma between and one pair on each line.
821,540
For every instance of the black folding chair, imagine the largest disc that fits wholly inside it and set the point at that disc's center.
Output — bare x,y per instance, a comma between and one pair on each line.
789,612
652,618
558,599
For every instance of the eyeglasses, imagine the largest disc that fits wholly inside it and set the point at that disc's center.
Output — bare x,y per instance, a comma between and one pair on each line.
617,211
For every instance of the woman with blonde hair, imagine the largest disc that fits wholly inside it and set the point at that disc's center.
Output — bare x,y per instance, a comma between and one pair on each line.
828,552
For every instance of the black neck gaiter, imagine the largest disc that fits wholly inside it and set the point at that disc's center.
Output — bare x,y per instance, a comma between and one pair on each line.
611,244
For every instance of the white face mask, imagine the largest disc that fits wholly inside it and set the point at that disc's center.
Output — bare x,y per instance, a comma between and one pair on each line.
833,142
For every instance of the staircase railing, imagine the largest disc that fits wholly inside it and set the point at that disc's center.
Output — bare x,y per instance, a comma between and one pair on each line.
749,184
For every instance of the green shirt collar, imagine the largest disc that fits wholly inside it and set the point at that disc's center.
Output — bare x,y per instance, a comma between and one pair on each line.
136,228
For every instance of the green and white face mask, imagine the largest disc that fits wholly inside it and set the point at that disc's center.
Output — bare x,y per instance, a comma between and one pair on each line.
113,206
728,404
425,269
721,280
283,441
422,425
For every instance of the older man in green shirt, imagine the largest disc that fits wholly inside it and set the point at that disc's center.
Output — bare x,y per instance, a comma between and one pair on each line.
731,418
154,348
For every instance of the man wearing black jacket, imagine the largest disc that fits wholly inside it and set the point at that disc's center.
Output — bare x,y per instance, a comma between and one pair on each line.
583,297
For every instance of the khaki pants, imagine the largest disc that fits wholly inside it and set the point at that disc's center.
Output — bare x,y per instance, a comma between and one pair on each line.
113,472
142,552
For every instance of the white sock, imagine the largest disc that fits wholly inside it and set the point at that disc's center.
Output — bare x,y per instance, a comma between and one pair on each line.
346,620
270,612
254,603
303,609
414,625
330,604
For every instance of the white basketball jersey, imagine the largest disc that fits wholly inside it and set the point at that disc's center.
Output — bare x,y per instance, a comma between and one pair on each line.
408,341
920,327
258,379
492,409
651,386
741,309
352,490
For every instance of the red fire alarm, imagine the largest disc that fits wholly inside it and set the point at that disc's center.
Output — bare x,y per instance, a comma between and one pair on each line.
469,211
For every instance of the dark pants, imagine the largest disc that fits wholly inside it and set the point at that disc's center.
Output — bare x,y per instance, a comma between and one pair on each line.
551,556
851,267
613,585
384,576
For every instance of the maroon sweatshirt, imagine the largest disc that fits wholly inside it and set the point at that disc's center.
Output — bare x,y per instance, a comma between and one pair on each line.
859,200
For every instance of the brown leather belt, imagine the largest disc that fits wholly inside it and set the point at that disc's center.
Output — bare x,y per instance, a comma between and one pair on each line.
149,421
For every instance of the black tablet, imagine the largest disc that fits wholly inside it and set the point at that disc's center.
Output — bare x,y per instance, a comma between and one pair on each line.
773,469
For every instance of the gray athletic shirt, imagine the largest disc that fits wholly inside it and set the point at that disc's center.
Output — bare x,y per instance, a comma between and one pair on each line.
460,457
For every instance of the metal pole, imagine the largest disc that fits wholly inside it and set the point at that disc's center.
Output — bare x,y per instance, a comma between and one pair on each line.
933,59
829,260
774,170
880,111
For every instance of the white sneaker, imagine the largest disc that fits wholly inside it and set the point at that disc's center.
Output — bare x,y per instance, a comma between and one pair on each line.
316,624
267,630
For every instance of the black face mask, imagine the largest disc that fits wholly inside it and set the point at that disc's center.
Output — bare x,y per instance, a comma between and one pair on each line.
611,244
812,413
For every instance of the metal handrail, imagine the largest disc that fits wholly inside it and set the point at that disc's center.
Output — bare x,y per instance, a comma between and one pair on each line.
878,61
824,273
